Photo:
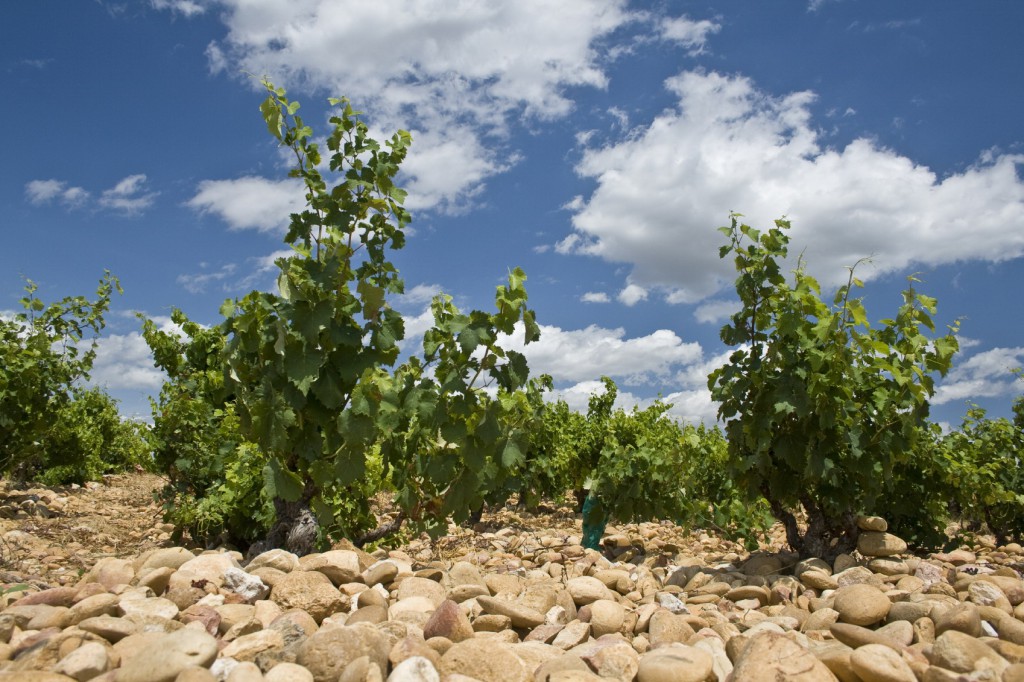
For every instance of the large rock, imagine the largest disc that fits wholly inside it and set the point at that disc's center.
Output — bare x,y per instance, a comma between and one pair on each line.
110,572
205,567
329,651
484,660
587,589
340,565
606,617
448,621
520,616
873,543
861,604
771,657
310,591
962,653
879,663
169,655
421,587
675,663
612,657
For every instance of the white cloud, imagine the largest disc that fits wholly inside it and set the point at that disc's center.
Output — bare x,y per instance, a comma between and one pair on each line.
595,297
587,354
128,196
124,362
984,375
632,294
661,192
196,283
455,74
693,35
188,8
251,202
577,396
715,311
417,296
40,192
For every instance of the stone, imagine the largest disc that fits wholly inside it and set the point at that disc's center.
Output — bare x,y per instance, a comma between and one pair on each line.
166,557
249,587
104,604
169,655
329,651
822,619
421,587
875,544
606,617
245,671
157,580
448,621
382,572
770,656
1010,629
484,660
205,568
413,646
587,589
56,596
288,672
959,652
573,634
109,628
879,663
963,617
310,591
559,665
110,572
666,627
676,663
374,613
84,663
612,657
520,616
247,647
861,604
856,636
872,523
157,606
279,559
341,566
414,669
901,632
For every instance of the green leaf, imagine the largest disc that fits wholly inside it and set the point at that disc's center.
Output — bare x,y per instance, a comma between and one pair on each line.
281,483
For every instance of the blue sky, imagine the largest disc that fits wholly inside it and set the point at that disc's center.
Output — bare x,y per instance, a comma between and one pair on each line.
597,144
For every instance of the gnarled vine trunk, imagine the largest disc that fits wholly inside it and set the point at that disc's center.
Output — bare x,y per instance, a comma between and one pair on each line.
825,537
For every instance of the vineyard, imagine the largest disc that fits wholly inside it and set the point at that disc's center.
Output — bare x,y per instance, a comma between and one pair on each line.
300,422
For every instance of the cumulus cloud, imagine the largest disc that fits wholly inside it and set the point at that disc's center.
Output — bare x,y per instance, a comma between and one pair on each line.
632,294
456,75
39,192
587,354
715,311
251,202
124,362
187,8
661,192
196,283
129,196
692,35
987,374
595,297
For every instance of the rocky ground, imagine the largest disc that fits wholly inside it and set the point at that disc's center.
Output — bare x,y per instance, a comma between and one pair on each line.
91,588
